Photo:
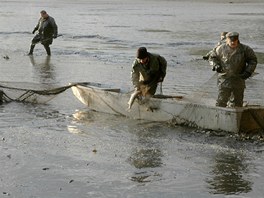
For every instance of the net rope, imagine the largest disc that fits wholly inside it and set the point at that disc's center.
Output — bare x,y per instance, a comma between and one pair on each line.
206,93
34,93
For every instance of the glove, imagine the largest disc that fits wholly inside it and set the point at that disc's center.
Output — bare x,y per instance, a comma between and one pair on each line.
33,32
245,75
160,79
217,68
54,36
205,57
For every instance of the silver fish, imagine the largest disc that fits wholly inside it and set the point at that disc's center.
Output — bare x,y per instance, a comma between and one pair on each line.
132,98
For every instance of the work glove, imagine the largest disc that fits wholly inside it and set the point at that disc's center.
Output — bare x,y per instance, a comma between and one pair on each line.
217,68
205,57
245,75
33,32
160,79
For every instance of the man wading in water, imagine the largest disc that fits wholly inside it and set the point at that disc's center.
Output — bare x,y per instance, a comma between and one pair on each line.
234,62
47,30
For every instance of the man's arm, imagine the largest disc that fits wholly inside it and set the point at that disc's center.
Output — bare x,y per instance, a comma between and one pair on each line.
251,60
135,76
36,27
214,60
163,67
54,26
251,63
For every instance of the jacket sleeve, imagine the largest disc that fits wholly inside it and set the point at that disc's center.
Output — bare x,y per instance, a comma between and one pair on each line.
135,75
251,60
37,26
54,26
214,58
163,66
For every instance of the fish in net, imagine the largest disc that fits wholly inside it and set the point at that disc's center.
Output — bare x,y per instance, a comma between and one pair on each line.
29,92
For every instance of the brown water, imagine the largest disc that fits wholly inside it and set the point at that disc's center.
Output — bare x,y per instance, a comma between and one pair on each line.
61,149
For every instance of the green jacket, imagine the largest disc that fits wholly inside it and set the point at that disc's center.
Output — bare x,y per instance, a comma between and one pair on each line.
233,63
151,73
47,28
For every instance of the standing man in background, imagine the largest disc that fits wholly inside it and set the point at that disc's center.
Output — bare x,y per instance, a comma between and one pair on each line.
234,62
47,30
222,40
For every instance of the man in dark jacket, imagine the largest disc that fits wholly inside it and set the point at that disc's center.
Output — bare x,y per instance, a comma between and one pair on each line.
147,71
47,30
234,62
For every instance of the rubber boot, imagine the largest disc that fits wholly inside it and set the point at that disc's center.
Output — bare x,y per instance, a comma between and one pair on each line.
1,97
47,48
31,49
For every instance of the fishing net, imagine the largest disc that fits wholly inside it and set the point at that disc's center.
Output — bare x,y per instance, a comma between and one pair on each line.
207,93
29,92
203,94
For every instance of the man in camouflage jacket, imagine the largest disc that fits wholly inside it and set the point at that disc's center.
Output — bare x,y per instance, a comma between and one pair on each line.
147,71
234,62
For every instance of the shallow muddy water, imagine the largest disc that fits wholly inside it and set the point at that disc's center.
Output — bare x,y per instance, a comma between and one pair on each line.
61,149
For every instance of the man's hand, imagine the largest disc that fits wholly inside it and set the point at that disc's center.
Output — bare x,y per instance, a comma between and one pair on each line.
245,75
55,36
160,79
205,57
217,68
35,29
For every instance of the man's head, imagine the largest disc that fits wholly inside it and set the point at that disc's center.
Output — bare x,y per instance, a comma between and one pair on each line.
44,14
232,39
142,55
223,35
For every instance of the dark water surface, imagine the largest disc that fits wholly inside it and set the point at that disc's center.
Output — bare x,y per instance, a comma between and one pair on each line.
61,149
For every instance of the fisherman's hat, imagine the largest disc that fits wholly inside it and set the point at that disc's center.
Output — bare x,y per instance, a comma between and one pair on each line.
142,53
232,34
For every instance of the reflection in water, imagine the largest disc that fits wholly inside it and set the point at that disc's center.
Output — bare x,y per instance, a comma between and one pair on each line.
147,154
84,116
43,69
90,118
146,158
229,173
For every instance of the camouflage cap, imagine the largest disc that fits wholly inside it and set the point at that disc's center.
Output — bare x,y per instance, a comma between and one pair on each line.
232,34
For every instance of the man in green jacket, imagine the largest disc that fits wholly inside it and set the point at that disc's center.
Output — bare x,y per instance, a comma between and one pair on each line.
222,40
47,30
234,62
148,70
